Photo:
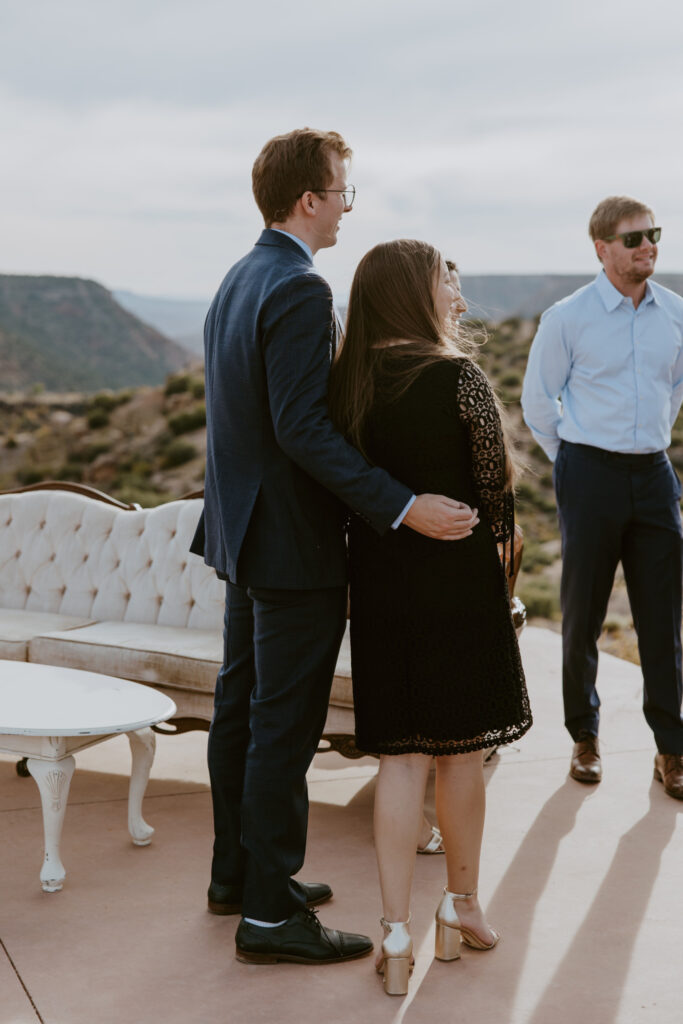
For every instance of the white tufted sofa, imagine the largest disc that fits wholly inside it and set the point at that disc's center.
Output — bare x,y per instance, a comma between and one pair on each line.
91,583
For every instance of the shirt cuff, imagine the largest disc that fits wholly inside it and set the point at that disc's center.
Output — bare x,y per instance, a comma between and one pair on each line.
399,518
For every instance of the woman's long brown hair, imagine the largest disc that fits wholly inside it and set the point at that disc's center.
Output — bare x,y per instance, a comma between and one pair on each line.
393,333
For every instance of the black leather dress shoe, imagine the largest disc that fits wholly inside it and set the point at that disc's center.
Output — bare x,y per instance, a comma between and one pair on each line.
586,765
300,940
227,899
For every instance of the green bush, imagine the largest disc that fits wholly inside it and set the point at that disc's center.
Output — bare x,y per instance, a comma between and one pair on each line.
197,388
535,557
98,418
72,471
34,475
177,453
108,400
140,496
191,419
176,385
89,452
541,597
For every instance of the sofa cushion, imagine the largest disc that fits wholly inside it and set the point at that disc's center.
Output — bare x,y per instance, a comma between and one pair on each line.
188,659
17,626
184,658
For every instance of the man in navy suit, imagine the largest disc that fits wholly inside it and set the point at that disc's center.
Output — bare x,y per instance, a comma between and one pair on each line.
278,479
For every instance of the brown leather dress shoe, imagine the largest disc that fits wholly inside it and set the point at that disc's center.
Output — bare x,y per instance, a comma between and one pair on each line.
669,770
586,765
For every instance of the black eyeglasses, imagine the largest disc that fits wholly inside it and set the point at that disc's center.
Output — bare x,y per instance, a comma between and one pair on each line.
632,239
348,193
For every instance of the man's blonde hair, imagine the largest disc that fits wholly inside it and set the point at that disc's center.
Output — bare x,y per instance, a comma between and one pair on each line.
291,164
610,211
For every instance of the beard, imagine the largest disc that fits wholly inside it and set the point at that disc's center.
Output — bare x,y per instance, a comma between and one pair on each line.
636,274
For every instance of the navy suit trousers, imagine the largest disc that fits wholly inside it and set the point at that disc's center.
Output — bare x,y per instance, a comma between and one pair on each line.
621,508
271,701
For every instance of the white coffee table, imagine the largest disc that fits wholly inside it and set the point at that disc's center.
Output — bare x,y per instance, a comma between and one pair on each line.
47,713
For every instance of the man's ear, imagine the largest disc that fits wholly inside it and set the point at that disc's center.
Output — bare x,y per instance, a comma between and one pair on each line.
600,247
306,203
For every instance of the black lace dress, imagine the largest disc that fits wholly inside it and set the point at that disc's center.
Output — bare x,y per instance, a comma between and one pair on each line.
435,662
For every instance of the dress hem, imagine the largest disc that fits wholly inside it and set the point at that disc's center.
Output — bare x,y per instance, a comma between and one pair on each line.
437,749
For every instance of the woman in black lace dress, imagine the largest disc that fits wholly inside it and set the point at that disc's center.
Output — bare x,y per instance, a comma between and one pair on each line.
435,662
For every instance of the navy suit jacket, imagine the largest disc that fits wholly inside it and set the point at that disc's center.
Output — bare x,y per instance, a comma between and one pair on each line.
278,473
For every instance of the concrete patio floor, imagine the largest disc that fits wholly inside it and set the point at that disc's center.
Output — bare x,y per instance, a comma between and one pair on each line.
584,883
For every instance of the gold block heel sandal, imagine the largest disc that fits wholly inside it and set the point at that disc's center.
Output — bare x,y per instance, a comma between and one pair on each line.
450,931
396,964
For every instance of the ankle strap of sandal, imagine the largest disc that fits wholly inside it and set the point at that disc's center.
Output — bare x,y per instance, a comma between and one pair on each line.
460,895
388,925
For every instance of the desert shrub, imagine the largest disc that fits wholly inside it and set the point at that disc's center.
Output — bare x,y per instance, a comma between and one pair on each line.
90,452
143,496
511,379
35,474
197,388
72,471
615,624
191,419
10,441
535,557
176,385
541,597
176,453
530,495
98,418
130,482
108,400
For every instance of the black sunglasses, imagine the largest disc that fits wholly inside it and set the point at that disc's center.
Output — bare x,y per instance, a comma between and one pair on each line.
632,239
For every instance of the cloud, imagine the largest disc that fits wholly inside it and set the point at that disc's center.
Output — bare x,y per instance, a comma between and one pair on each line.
490,129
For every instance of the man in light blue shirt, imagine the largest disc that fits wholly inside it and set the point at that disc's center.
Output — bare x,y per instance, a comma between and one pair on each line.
603,387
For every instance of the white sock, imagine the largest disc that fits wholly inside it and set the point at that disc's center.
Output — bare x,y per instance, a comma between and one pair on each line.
264,924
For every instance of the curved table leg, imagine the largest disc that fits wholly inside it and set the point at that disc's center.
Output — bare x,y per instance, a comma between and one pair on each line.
53,779
142,747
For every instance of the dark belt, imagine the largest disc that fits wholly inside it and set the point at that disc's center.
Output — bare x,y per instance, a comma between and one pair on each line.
627,458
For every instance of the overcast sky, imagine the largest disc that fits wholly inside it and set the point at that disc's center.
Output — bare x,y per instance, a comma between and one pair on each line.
490,129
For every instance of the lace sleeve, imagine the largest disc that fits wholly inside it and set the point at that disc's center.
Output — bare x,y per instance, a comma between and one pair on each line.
477,410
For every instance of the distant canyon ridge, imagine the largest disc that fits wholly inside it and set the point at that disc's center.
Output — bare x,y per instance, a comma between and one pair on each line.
69,334
491,297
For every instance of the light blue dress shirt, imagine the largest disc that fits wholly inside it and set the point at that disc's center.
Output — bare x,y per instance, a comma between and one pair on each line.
603,373
295,238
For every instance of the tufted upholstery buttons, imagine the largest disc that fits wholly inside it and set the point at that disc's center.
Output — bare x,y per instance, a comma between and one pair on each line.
126,597
192,602
117,563
77,527
183,566
52,557
41,526
17,554
94,592
28,589
86,556
149,563
9,522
